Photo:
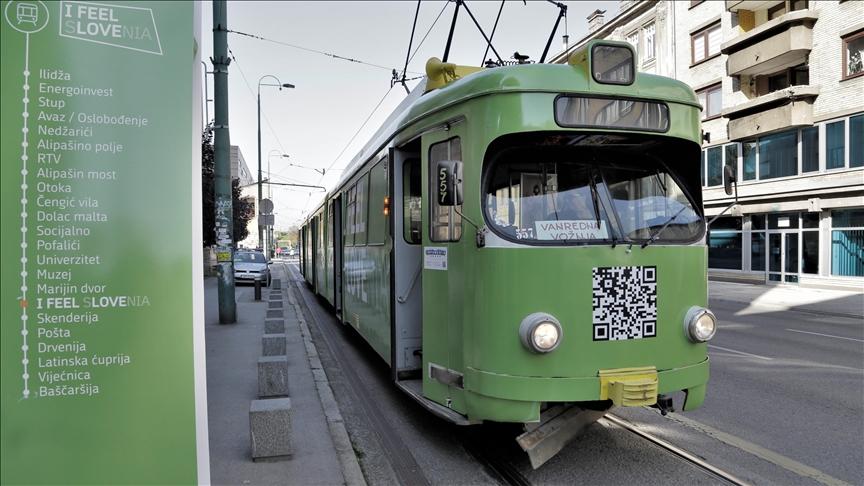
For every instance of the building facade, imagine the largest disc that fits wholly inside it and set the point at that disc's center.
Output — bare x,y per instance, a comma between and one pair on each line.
781,84
249,192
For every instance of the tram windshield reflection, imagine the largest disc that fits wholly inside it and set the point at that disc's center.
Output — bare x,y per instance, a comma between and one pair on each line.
532,196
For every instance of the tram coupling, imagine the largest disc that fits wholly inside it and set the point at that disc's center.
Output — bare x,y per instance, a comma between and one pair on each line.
665,404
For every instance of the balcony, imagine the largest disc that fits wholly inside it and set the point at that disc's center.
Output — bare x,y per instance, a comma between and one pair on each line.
775,45
787,108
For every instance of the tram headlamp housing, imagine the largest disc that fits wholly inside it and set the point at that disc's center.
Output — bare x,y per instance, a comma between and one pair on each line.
540,332
700,324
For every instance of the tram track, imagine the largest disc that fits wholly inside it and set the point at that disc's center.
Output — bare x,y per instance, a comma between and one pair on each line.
674,450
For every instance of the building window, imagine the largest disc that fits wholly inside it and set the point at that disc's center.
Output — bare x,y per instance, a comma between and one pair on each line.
711,99
778,155
777,11
856,141
714,156
446,221
633,40
724,244
835,145
705,43
648,35
810,149
730,157
853,55
749,156
847,243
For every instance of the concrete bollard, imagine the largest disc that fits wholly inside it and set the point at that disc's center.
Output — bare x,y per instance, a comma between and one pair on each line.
271,313
273,344
257,289
275,304
272,376
270,428
274,326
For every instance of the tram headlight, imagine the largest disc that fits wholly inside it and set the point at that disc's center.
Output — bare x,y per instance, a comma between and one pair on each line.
700,324
540,332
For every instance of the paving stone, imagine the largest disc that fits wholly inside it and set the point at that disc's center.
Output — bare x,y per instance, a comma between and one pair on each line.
274,313
276,284
270,427
274,304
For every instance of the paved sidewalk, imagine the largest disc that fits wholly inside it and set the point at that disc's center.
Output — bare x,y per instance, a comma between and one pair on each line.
322,452
770,297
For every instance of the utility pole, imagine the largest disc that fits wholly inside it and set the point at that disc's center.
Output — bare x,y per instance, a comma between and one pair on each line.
222,147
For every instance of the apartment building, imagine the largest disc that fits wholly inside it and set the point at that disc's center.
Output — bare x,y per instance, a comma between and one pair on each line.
782,89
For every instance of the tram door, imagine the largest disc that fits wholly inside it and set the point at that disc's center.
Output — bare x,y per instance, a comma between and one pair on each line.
407,293
783,256
337,255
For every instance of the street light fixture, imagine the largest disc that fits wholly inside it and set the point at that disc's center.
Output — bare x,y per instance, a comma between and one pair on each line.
279,84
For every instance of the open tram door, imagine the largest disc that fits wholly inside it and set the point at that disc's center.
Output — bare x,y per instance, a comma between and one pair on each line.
406,264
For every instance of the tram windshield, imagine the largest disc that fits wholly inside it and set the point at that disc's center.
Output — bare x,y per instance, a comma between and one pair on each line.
541,196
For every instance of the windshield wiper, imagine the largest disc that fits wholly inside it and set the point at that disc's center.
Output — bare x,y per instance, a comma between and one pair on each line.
665,225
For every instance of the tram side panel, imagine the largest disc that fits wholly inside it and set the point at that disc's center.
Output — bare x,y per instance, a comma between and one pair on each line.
366,272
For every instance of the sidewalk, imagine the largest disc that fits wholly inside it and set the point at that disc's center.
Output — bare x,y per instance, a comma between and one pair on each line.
321,450
778,298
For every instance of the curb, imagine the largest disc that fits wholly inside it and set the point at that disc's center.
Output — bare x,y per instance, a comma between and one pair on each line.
351,471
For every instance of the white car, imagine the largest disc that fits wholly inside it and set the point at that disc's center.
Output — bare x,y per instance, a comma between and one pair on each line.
250,266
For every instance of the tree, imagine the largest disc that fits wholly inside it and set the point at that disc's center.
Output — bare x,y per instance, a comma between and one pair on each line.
243,210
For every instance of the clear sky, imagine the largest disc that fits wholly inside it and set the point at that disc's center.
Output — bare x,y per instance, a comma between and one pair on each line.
315,122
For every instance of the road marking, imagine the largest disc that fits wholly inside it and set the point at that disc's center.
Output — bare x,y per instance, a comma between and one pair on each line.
826,335
740,352
760,452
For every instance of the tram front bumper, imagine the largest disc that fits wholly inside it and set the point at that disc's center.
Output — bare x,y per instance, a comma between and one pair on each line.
489,388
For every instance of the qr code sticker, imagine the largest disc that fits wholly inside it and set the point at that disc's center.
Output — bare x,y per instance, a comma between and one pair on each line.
624,303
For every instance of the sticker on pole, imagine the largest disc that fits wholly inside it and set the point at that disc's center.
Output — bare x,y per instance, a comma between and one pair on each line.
435,258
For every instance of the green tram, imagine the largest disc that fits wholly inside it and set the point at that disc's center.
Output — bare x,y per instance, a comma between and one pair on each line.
528,238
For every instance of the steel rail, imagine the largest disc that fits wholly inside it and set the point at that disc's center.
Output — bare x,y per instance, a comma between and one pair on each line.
503,470
668,446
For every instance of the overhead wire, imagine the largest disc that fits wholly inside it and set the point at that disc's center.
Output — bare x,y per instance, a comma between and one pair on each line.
316,51
252,92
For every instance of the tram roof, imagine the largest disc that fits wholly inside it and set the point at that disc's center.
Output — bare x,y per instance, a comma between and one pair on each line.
524,78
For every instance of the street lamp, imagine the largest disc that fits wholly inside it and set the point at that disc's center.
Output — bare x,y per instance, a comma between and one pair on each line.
280,85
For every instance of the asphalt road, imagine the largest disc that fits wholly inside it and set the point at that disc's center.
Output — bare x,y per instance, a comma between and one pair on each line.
791,382
785,406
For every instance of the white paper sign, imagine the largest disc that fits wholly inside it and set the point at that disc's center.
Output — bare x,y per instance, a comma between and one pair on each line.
435,258
577,229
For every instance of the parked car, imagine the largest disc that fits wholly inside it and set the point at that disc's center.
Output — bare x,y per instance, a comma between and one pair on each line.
250,266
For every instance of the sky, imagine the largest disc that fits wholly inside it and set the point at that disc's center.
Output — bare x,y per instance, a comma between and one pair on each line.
315,122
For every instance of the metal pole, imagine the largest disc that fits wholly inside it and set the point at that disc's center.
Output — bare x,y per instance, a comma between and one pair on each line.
260,194
222,148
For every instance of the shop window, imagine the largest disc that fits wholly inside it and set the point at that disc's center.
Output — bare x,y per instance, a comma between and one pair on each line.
724,244
757,250
445,221
856,141
783,221
810,149
835,145
853,55
847,243
705,43
778,155
810,252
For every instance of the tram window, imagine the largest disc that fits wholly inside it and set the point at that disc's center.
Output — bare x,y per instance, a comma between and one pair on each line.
552,196
361,209
446,223
411,202
349,213
377,193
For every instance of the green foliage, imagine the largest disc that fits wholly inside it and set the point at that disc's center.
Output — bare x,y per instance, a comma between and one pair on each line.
243,209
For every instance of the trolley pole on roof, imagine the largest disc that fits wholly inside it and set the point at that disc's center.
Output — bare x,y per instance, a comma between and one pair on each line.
221,146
